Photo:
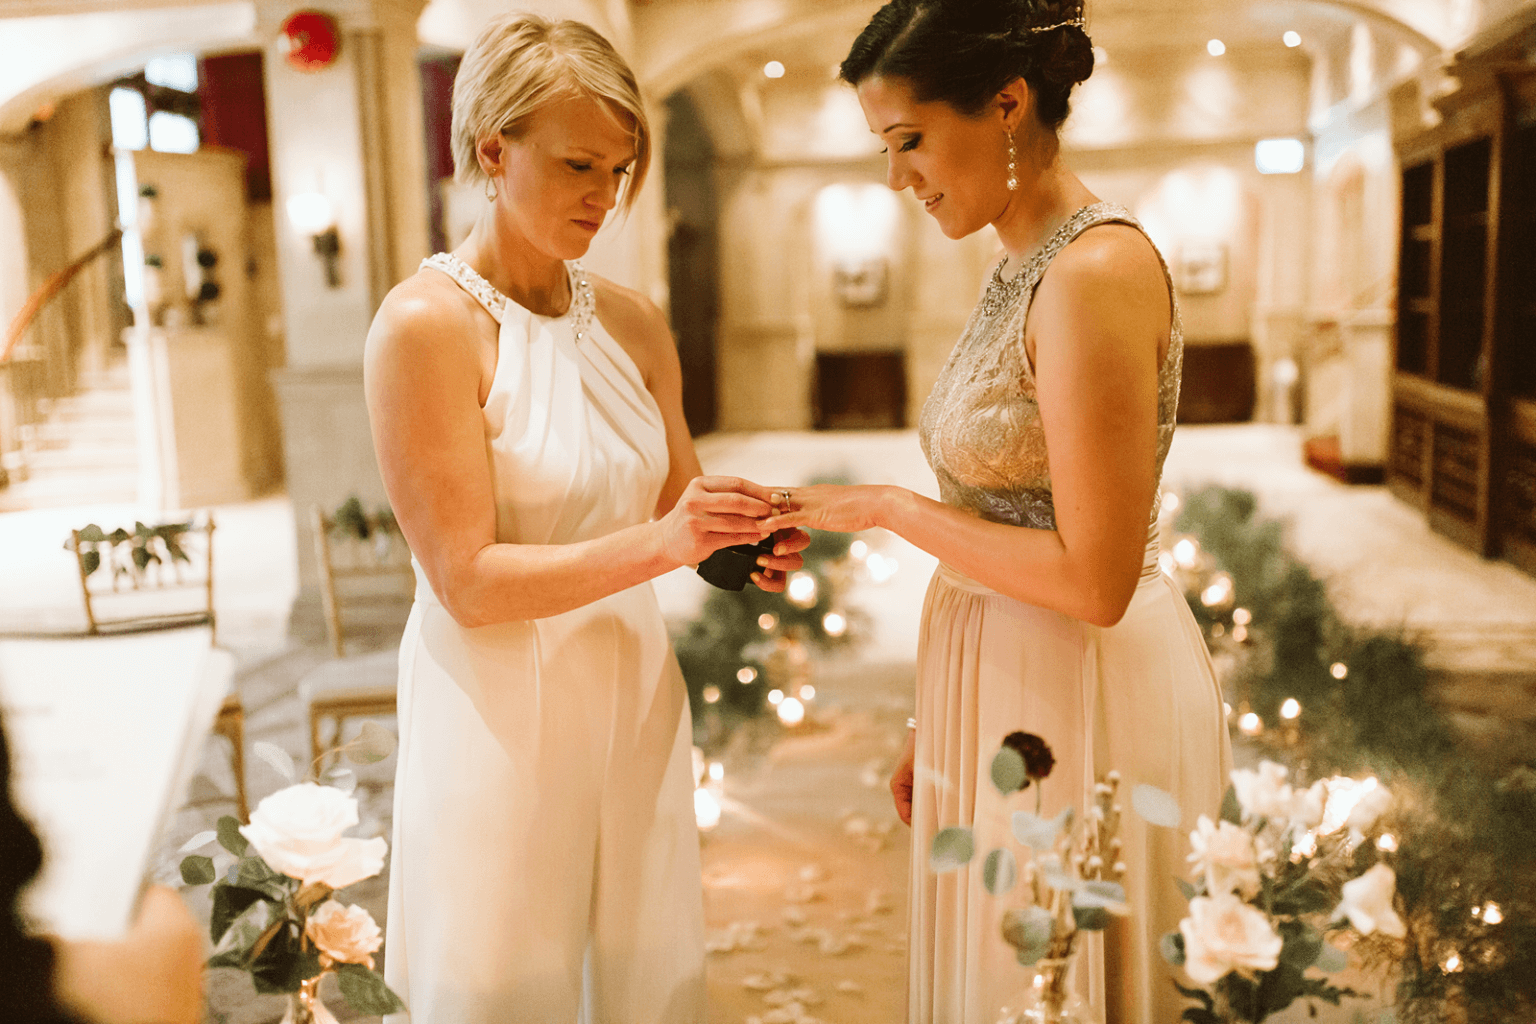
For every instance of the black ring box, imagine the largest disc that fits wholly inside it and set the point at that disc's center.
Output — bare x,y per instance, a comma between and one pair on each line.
731,568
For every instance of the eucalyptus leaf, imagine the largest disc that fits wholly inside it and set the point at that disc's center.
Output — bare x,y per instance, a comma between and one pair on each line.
1055,873
344,779
1302,944
952,849
1171,945
119,535
230,837
1156,806
90,561
198,841
1008,771
365,991
1231,808
1189,889
372,745
92,533
197,870
142,556
1331,959
1106,895
1090,919
278,759
1040,833
1028,930
999,872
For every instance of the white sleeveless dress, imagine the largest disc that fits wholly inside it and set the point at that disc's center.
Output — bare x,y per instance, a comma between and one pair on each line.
545,863
1139,697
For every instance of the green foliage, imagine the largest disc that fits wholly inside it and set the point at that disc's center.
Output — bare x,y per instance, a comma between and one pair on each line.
350,520
197,870
130,553
727,637
230,838
1378,717
1467,836
365,991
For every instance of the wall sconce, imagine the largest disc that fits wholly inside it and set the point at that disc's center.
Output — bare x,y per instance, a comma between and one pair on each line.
310,214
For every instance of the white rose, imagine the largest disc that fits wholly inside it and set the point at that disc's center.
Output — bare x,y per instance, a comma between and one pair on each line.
1308,805
1372,805
1367,903
1264,793
1223,934
297,831
1226,856
347,935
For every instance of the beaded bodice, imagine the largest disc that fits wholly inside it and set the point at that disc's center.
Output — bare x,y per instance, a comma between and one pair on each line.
980,427
583,305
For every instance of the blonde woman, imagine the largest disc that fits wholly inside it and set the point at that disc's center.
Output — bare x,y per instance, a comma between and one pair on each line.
528,421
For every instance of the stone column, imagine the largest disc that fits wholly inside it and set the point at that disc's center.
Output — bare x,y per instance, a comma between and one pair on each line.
353,133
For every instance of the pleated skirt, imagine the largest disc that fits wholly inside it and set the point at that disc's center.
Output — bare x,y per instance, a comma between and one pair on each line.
1139,697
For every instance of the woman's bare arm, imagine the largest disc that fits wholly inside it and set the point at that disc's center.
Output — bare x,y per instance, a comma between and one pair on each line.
1099,320
423,375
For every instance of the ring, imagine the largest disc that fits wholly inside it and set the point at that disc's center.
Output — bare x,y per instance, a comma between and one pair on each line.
787,503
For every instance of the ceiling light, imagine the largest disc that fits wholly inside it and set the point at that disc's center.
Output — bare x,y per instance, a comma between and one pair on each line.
1215,47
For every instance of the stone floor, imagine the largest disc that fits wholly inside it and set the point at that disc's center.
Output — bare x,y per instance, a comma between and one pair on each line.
805,876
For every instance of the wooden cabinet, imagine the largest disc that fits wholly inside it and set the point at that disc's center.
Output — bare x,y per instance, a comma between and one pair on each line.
1463,436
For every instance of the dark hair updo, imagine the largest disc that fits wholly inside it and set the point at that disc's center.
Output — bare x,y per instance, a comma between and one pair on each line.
964,51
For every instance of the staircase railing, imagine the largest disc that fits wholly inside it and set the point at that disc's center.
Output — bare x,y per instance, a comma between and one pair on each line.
20,379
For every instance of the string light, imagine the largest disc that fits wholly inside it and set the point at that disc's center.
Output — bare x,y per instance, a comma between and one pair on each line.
775,696
835,623
1492,914
1338,670
1291,709
801,591
767,621
880,567
1387,843
791,711
706,809
711,695
1452,964
1239,633
746,674
1242,616
859,550
807,692
716,771
1186,553
1251,724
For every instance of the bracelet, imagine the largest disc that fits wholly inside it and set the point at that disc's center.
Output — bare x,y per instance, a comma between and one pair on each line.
911,723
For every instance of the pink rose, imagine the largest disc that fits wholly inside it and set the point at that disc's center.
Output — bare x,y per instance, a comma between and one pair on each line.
348,935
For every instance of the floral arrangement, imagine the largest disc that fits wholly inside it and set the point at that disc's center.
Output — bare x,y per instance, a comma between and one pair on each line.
1282,870
274,908
1073,876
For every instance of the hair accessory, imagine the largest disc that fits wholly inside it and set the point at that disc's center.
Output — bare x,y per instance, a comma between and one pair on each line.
1079,22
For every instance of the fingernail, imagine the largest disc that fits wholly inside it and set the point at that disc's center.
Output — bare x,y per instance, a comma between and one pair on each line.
763,560
778,549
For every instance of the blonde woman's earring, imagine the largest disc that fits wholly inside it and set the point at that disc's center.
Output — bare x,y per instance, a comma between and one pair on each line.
490,190
1013,165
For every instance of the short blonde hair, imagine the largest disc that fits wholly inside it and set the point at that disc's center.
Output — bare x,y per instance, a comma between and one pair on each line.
520,63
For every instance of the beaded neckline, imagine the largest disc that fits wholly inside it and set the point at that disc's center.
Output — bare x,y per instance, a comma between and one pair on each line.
583,302
1002,292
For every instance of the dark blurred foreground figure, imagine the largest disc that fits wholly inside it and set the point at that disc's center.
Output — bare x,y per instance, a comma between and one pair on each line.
1047,432
153,975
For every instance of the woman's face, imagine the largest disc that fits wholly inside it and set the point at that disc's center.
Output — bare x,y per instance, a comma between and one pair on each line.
561,175
957,165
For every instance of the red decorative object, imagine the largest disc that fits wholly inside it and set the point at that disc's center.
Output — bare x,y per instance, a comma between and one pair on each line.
311,40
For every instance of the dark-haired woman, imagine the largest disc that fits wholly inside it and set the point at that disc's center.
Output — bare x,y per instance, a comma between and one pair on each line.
1047,430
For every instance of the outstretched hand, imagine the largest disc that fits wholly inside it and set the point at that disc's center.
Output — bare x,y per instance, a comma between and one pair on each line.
837,508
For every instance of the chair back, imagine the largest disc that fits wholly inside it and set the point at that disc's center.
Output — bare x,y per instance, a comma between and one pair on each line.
150,577
363,560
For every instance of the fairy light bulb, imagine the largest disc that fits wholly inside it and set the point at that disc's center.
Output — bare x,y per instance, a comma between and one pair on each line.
711,695
791,711
746,674
1291,709
706,809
